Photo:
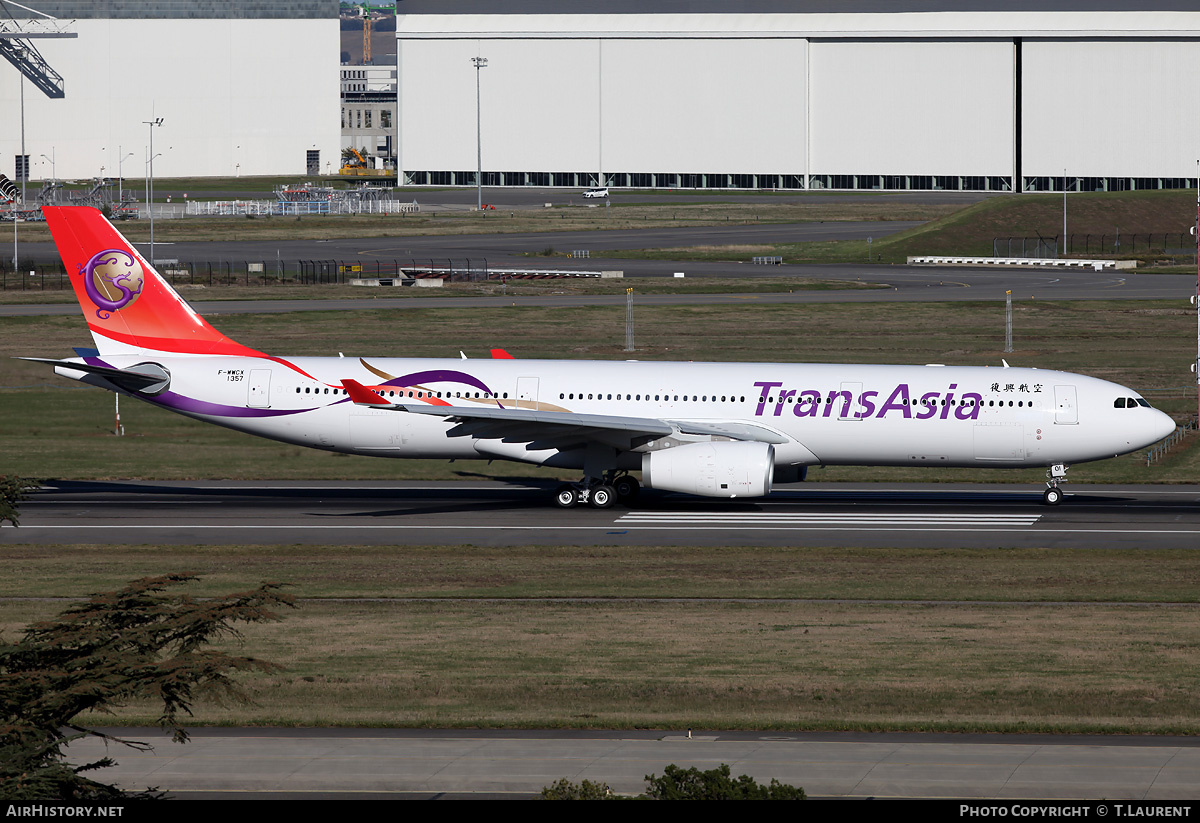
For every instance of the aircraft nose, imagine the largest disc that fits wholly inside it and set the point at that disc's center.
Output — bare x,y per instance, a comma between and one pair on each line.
1162,425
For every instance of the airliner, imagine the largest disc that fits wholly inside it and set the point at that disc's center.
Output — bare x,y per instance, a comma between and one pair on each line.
711,429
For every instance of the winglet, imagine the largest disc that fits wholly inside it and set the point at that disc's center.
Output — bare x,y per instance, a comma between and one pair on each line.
361,395
501,354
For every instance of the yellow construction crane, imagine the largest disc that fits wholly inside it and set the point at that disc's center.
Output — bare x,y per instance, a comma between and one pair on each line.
364,11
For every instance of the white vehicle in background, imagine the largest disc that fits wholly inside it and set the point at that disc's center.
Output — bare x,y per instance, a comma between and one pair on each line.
596,193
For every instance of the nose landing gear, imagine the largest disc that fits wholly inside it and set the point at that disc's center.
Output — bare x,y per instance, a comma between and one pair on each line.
1056,475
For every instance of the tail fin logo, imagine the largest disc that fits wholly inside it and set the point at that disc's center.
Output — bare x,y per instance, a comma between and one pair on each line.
113,280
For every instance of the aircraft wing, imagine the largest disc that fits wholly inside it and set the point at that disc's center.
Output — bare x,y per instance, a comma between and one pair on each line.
552,429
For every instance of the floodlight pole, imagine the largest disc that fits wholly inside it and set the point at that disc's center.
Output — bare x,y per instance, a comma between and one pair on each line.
24,165
158,121
120,175
1063,251
480,63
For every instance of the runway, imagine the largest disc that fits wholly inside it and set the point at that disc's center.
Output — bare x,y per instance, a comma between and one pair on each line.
416,763
498,514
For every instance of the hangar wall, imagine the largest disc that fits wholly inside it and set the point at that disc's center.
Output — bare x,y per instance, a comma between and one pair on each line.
237,96
1104,108
983,99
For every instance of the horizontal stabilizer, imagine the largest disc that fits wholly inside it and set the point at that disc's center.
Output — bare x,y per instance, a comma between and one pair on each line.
144,378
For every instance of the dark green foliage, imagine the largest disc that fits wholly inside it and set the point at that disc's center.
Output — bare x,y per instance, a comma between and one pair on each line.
13,490
715,784
682,784
134,643
587,790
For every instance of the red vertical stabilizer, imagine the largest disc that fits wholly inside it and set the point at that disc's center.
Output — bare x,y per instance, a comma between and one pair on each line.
127,304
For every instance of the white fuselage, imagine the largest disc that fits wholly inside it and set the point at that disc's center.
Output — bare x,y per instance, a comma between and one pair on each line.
823,413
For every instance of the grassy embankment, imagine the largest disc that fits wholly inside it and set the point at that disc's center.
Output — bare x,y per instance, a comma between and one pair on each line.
970,231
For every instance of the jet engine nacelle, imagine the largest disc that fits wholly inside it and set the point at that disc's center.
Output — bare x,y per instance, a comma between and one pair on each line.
725,468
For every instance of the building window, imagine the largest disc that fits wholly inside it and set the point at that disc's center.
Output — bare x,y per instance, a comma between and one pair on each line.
385,118
367,119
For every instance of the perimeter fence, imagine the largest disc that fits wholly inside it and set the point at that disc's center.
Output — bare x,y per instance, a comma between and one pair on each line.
1116,244
214,274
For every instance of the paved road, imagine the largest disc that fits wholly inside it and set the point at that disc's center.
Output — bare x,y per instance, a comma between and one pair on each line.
494,513
345,763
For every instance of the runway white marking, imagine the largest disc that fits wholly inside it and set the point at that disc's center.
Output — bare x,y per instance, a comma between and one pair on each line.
825,519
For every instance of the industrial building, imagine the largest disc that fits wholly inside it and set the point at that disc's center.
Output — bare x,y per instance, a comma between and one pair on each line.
242,88
982,95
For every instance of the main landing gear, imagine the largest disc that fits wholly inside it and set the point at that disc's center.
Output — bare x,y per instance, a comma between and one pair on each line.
600,493
1055,475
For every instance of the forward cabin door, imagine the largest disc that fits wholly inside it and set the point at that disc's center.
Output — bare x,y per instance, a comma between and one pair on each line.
1066,409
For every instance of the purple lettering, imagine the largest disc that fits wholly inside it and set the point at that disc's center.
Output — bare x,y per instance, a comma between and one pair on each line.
868,408
783,396
929,401
847,399
765,389
807,404
969,412
897,400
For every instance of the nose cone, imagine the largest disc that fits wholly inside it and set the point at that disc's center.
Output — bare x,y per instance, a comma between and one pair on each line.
1160,426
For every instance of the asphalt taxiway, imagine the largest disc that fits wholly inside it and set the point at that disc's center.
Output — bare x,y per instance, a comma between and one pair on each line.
422,763
522,513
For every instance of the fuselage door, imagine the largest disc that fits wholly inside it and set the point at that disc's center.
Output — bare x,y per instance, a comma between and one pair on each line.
259,389
1066,408
853,409
527,392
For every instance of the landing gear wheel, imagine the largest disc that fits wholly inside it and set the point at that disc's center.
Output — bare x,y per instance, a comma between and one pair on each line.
1052,496
627,488
603,496
566,497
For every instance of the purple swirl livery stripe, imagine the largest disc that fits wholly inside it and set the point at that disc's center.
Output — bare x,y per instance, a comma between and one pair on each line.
437,376
181,403
189,404
441,376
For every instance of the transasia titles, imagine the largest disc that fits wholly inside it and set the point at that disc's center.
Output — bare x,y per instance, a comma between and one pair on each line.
773,398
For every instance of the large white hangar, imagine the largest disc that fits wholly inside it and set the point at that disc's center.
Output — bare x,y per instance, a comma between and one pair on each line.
994,95
242,86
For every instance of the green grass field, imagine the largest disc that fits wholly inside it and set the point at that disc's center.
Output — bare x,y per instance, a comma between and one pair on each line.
635,637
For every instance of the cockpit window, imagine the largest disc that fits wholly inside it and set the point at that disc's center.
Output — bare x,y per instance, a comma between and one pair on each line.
1142,402
1120,404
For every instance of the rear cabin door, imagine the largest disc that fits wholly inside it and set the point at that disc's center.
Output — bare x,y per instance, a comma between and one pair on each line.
259,389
